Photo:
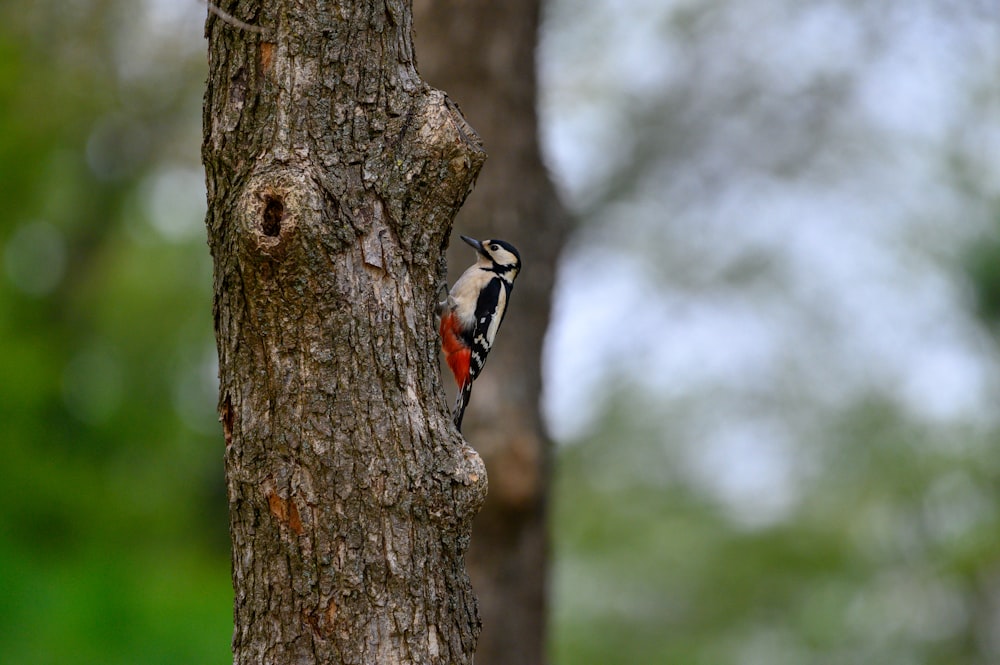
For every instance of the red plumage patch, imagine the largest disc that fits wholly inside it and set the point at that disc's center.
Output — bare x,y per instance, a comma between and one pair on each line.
456,353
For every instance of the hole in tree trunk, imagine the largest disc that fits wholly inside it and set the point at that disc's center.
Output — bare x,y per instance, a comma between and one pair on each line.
274,210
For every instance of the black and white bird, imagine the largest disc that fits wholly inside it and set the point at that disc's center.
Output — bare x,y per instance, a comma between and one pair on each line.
473,312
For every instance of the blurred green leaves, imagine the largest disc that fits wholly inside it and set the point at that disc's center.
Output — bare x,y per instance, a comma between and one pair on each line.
113,544
884,559
793,457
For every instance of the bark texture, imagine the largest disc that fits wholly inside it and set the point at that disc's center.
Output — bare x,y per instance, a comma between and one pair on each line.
333,177
483,54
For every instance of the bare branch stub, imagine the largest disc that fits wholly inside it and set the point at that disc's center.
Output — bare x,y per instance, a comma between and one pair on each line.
232,20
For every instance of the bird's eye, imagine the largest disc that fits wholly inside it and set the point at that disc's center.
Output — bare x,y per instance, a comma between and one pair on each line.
494,247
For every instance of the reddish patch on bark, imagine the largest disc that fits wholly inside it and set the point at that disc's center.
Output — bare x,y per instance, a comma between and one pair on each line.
294,521
286,512
311,621
226,416
266,55
279,507
322,620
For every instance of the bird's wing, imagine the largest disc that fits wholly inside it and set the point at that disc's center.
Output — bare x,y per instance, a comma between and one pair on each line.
490,308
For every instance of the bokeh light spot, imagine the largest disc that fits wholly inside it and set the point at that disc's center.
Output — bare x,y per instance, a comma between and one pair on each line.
35,258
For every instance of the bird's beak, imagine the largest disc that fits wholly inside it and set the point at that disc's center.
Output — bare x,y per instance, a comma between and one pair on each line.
476,244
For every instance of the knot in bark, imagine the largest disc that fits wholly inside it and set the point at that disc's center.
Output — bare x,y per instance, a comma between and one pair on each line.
425,170
273,208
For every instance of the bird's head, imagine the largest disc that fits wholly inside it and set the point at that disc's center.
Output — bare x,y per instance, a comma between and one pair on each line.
497,255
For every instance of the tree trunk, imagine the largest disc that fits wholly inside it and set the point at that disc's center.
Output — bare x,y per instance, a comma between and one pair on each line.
333,175
483,54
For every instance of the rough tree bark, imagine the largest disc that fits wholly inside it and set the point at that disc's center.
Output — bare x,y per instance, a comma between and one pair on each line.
483,54
333,177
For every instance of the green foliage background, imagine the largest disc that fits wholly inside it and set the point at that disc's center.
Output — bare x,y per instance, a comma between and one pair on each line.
794,182
113,537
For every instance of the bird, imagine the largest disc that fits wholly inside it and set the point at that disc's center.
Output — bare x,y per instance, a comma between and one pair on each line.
473,311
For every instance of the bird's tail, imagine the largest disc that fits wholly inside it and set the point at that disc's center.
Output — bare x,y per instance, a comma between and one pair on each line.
461,402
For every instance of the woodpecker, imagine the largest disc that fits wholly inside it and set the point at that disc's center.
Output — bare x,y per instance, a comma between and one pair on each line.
473,312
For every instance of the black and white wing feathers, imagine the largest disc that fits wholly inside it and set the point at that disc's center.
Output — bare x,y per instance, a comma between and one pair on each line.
491,307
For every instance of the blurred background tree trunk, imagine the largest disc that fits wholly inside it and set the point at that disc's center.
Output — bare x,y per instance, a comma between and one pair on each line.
334,174
483,55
